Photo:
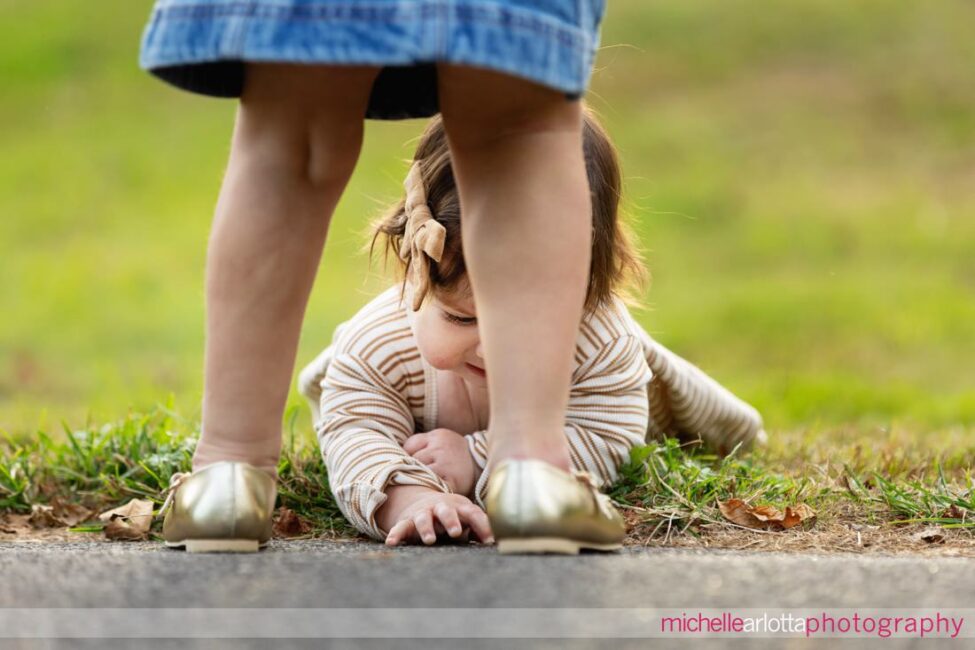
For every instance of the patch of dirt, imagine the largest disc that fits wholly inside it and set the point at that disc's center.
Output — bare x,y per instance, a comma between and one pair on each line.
31,528
18,528
841,529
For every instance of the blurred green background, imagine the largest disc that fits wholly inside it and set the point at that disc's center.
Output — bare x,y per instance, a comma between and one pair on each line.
801,175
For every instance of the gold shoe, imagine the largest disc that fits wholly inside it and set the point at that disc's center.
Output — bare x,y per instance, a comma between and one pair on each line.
225,506
535,507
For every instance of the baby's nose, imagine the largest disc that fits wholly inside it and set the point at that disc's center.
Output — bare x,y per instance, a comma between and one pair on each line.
479,351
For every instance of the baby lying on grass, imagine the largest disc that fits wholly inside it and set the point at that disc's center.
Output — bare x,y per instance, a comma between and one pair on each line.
399,398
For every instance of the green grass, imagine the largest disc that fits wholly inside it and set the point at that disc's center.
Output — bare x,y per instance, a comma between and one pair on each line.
799,174
681,489
134,457
676,490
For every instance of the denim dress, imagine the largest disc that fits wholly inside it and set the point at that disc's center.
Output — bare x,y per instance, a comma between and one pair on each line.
201,45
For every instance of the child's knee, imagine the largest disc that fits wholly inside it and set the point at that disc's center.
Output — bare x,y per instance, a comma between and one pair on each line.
481,106
321,150
306,119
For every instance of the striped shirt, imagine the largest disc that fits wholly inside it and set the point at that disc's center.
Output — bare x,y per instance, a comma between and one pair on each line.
374,390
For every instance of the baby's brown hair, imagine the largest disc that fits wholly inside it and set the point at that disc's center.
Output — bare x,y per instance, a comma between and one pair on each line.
617,268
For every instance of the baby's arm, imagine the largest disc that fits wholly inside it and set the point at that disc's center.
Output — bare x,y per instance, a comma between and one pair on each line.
364,424
607,416
311,376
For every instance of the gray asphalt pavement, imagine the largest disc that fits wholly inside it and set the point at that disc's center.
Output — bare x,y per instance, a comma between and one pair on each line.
327,575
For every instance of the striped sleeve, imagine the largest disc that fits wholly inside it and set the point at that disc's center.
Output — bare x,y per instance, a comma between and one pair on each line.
477,445
607,416
361,432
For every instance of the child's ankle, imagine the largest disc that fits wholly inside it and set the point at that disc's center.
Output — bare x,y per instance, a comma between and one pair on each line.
266,465
558,457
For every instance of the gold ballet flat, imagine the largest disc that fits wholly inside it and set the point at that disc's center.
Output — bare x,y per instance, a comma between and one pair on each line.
225,506
536,507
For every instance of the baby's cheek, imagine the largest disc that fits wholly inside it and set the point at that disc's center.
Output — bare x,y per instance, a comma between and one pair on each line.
432,353
437,356
438,361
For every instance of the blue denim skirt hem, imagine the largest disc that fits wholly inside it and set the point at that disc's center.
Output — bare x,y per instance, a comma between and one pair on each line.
202,45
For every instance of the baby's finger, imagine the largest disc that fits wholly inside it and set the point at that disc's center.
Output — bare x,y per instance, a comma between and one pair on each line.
425,456
415,443
402,530
479,522
448,517
424,526
437,469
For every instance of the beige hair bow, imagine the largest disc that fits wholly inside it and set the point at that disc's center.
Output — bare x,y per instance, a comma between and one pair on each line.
423,238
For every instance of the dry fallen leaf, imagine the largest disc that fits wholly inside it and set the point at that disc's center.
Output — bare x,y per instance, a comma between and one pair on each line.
12,524
931,535
6,526
954,512
58,514
130,522
797,514
290,524
738,512
764,517
17,527
42,516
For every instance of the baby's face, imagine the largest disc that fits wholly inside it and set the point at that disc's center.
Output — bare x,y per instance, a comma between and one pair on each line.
445,329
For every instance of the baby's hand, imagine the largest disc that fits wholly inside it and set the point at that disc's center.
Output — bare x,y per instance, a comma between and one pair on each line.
447,454
417,520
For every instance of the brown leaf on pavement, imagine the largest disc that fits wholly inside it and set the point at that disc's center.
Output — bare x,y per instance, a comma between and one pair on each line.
738,512
7,526
288,523
953,512
58,514
796,515
765,514
931,535
42,516
764,517
129,522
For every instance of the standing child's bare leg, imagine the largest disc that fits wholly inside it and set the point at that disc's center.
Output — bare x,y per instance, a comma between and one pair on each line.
295,144
516,150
